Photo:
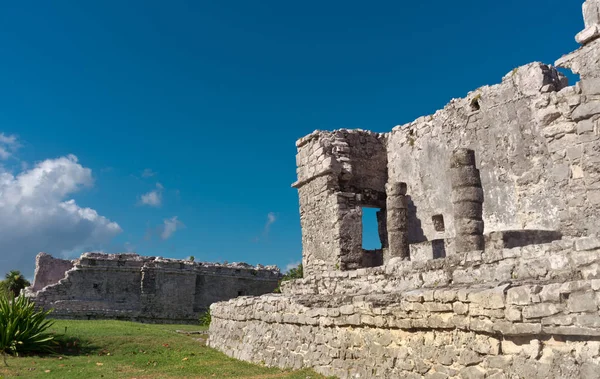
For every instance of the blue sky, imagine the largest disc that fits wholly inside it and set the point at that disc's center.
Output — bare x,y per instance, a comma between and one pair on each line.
202,102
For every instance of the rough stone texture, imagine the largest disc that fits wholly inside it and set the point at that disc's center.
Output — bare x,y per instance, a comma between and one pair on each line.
49,270
339,173
467,200
397,222
520,300
150,289
464,315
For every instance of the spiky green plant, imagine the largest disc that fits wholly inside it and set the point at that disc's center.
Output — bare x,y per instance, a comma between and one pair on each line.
205,318
23,327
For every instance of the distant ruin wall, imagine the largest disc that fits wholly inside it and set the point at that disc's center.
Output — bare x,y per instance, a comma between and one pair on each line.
49,270
128,286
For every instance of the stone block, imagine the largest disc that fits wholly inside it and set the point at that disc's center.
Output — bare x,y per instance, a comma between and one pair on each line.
437,307
516,329
512,314
472,372
460,308
468,358
559,129
559,320
493,298
541,310
590,243
521,295
586,110
582,302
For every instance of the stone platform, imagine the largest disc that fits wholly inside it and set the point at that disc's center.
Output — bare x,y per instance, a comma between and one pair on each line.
525,312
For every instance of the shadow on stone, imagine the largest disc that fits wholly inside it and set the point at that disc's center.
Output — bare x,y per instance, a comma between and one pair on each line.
415,231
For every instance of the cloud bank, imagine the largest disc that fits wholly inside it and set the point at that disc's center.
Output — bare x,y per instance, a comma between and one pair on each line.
36,213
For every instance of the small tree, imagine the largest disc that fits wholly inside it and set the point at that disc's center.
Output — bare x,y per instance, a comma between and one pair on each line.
191,258
15,282
293,273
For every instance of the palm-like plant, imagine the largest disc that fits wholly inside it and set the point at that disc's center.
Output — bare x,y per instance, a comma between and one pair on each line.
15,282
23,327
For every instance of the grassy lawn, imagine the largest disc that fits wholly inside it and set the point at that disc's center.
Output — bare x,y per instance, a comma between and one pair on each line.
118,349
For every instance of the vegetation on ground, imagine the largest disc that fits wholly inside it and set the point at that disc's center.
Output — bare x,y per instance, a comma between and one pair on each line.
120,349
12,284
205,318
294,273
23,328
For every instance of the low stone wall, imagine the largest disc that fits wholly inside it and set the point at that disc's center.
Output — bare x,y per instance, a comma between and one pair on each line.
527,312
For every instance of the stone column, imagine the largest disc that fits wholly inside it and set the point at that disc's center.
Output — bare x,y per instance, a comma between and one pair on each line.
467,199
397,221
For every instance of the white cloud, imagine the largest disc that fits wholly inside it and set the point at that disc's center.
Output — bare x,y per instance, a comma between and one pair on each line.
37,215
147,173
292,265
170,226
8,145
271,218
154,197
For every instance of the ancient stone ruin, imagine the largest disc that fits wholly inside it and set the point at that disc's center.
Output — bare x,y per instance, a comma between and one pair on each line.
489,266
149,289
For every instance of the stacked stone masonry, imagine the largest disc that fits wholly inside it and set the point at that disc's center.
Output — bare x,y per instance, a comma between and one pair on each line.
489,218
148,289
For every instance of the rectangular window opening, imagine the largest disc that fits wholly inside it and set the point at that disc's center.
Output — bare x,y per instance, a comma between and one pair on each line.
438,223
370,229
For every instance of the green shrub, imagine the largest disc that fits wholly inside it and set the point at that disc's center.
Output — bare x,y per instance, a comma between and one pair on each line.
23,328
294,273
14,282
205,318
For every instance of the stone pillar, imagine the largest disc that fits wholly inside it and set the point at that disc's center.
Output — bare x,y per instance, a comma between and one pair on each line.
397,222
467,199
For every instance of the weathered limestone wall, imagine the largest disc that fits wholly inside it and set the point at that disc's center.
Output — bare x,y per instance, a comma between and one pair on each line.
128,286
49,270
497,197
338,174
527,312
504,124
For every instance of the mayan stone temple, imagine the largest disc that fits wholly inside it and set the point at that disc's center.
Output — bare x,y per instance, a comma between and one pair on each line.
148,289
489,216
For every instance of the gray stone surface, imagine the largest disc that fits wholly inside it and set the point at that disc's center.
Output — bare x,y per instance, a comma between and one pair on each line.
506,287
150,289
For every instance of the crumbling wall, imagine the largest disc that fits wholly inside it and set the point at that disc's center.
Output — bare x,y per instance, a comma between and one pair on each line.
338,174
520,301
49,270
128,286
504,125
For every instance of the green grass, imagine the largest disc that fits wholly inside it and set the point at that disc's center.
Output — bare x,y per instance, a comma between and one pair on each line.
118,349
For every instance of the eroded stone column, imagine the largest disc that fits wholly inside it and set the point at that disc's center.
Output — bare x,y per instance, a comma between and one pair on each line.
397,221
467,199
